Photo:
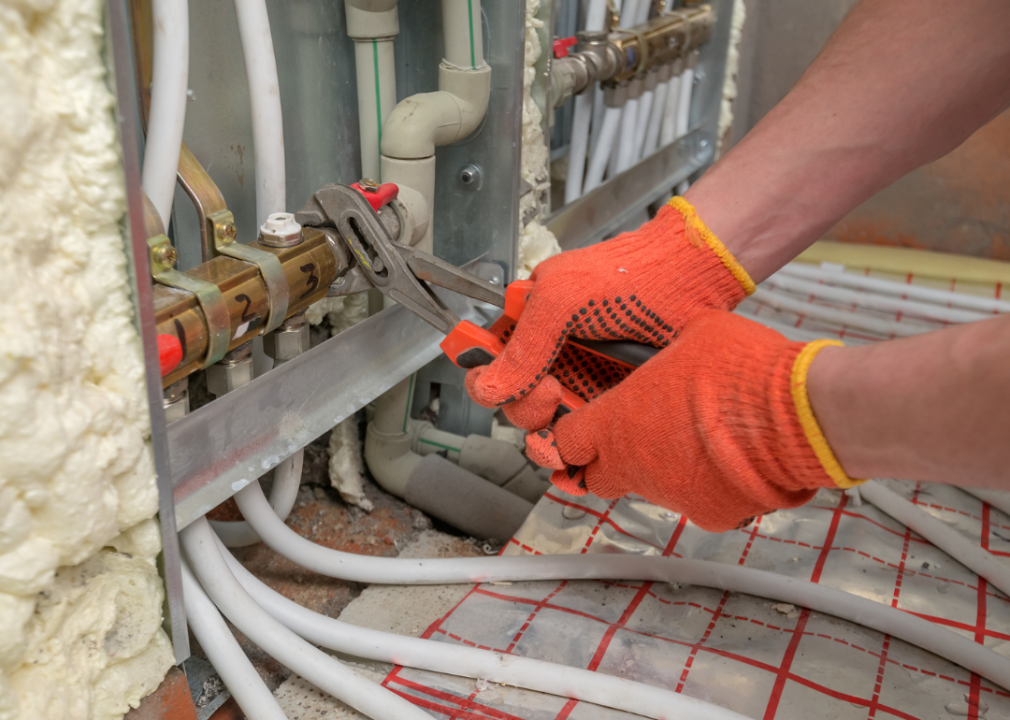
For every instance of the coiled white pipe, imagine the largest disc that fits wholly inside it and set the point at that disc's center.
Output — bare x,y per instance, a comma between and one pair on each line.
642,123
224,653
655,119
786,303
601,153
546,677
626,142
265,101
169,81
283,493
889,287
998,499
393,571
668,127
928,311
322,670
953,543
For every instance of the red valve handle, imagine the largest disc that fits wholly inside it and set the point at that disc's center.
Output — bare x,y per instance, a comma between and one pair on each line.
379,195
561,46
169,353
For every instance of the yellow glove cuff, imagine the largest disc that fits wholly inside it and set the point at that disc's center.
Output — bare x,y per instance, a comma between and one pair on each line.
693,221
806,414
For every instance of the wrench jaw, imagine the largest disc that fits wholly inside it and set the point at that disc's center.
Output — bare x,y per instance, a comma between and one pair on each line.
375,255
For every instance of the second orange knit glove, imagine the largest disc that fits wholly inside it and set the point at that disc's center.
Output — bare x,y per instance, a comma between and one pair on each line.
643,285
717,427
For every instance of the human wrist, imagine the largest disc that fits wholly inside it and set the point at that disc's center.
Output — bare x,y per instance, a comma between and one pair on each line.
698,234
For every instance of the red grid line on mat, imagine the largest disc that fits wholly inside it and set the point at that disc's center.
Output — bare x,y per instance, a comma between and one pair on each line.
601,649
599,523
873,705
465,704
894,604
961,512
980,619
604,517
801,623
860,516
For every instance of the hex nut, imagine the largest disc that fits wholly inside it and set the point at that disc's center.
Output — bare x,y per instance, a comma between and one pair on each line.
286,344
222,378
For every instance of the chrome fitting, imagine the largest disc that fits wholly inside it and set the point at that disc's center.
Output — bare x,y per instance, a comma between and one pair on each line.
175,400
288,341
234,370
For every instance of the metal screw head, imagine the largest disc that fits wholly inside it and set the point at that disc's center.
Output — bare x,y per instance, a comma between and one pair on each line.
165,255
227,231
471,176
368,184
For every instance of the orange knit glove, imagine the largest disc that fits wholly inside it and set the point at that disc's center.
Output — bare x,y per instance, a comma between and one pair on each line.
717,427
643,285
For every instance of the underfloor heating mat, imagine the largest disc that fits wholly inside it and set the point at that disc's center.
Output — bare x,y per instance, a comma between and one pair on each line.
759,657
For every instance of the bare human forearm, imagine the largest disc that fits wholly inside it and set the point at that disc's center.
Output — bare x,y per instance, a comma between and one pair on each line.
900,83
933,407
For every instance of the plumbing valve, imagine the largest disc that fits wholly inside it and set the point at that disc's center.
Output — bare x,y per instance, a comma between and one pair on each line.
561,46
376,194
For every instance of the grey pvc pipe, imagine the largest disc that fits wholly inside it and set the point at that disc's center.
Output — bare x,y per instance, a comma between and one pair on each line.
464,500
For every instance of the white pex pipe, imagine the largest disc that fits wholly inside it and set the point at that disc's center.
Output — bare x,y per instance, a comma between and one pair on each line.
952,542
265,101
626,141
578,147
999,499
684,103
283,493
169,81
394,571
547,677
928,311
655,118
224,653
785,303
889,287
668,126
322,670
642,124
601,153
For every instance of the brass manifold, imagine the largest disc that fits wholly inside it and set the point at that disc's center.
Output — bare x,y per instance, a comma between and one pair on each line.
618,56
309,268
661,40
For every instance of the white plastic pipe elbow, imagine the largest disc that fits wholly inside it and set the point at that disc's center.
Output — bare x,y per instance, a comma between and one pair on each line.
425,121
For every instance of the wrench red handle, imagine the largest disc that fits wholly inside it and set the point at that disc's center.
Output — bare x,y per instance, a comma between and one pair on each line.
470,346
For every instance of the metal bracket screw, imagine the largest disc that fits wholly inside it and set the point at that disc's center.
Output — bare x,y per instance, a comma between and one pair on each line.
471,177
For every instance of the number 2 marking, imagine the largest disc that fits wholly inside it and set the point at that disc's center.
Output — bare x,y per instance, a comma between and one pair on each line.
312,281
246,315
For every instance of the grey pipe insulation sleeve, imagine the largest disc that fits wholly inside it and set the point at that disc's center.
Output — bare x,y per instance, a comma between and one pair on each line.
464,500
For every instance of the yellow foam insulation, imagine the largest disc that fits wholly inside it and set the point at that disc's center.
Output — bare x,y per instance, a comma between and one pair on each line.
80,634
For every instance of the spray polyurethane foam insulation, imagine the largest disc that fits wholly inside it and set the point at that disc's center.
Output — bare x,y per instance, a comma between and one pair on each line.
80,596
729,86
536,243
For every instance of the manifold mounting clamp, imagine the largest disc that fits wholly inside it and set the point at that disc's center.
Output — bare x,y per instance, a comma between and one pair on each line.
222,224
215,310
